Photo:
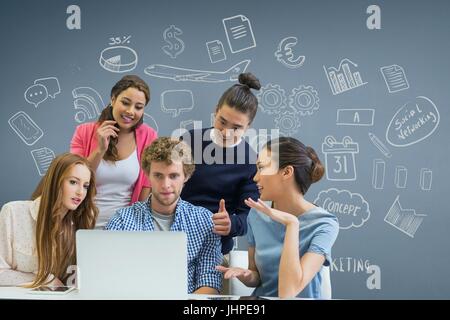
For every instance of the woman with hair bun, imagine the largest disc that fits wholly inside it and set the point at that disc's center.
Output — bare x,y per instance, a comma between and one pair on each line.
224,161
291,240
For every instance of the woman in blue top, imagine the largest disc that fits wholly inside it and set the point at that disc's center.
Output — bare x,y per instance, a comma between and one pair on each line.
291,240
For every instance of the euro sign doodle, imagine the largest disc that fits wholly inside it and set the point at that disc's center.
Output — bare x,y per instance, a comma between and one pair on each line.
175,45
285,55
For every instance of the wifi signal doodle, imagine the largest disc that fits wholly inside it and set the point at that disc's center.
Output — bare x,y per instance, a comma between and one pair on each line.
175,45
88,102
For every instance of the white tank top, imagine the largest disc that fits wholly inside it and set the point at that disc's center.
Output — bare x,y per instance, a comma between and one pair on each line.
115,183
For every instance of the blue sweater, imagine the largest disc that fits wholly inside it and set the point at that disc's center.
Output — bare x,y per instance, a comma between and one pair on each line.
222,173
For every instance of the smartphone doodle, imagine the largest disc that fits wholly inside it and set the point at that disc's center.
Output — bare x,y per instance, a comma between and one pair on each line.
26,128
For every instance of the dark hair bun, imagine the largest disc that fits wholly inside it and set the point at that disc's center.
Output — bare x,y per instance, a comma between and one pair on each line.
250,80
317,169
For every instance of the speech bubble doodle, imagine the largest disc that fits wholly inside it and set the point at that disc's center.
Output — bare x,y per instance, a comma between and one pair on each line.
52,85
350,208
150,121
177,101
36,94
413,122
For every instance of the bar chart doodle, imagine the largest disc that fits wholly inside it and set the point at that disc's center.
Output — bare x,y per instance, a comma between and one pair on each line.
343,79
405,220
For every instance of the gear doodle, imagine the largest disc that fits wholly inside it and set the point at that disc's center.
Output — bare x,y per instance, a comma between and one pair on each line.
272,98
288,123
304,100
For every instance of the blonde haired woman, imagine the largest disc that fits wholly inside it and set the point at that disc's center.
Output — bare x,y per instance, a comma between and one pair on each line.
37,237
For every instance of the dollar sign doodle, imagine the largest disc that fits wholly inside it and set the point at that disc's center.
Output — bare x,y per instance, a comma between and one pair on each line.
175,45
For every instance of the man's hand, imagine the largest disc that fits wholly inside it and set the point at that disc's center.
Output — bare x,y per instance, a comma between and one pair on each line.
221,220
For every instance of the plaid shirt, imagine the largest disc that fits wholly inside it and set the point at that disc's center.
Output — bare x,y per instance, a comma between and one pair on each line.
204,247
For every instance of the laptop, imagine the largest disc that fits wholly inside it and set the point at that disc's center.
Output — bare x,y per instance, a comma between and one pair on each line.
131,265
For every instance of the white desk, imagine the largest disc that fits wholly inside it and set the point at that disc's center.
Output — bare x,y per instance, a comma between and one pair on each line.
22,294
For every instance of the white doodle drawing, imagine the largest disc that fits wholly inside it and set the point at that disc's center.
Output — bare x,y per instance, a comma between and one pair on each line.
351,209
238,30
395,78
150,121
177,101
355,117
379,168
380,145
118,59
304,100
213,118
405,220
41,90
52,85
349,264
287,122
342,79
25,128
340,158
89,103
216,51
401,176
175,45
271,98
285,55
426,177
191,124
184,74
36,94
413,122
42,157
115,41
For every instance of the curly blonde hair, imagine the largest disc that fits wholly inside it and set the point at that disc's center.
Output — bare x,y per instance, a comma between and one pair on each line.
168,150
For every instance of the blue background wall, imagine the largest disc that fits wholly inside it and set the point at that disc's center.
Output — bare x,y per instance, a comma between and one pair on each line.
395,243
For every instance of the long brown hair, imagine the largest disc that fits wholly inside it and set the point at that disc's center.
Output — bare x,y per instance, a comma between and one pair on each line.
55,234
129,81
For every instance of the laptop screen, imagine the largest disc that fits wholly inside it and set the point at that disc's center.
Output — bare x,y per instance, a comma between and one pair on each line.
131,265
